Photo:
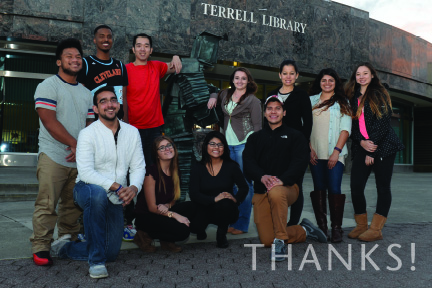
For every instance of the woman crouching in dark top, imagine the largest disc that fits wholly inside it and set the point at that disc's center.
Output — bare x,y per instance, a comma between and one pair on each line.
211,188
158,216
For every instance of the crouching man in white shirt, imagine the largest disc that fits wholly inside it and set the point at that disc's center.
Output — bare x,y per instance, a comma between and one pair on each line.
105,151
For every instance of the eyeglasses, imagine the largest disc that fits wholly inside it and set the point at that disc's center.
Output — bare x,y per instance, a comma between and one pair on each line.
105,101
214,145
166,147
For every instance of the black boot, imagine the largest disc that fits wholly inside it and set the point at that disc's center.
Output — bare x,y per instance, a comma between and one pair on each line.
319,204
221,238
336,205
202,235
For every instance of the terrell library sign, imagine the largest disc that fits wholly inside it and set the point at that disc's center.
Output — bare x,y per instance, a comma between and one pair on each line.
240,15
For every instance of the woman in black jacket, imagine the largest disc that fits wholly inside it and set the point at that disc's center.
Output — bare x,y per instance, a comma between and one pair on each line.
211,188
374,146
296,100
298,116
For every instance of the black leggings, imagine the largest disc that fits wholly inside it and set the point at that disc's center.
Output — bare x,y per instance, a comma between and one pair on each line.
165,228
221,213
383,169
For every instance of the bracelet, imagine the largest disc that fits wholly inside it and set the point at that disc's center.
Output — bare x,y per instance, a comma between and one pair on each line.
118,189
338,149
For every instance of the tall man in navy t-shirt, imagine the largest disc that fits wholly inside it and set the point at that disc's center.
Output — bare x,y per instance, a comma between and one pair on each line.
101,70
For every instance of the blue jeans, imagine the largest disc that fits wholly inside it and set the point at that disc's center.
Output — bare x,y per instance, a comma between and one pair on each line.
327,179
103,225
245,207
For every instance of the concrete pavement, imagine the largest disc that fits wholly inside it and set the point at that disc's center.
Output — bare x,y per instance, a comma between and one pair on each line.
204,265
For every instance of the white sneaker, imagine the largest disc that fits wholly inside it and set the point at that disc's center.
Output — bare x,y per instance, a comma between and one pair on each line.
98,271
129,233
59,243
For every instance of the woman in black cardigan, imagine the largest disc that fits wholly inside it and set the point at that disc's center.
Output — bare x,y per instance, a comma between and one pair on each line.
374,146
298,116
211,188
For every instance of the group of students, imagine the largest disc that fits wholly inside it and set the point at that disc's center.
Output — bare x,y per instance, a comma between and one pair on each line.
362,110
65,108
136,85
68,103
221,190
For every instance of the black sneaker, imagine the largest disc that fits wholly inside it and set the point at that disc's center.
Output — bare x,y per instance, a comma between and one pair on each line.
313,232
279,251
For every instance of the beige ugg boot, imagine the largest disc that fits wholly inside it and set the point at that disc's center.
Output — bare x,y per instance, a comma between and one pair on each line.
374,231
362,226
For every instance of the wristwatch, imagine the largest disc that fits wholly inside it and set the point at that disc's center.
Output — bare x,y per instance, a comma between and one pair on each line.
170,214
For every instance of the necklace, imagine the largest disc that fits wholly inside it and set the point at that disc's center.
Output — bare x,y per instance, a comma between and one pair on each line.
234,100
233,103
235,97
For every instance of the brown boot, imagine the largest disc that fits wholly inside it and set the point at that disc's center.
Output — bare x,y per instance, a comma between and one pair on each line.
362,226
319,204
336,205
374,231
170,246
144,242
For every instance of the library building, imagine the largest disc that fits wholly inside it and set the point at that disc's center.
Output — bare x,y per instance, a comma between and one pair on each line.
316,34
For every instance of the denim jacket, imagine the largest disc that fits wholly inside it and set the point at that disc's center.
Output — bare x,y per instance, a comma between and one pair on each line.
338,123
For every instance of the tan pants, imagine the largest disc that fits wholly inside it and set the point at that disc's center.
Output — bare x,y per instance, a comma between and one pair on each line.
271,213
56,182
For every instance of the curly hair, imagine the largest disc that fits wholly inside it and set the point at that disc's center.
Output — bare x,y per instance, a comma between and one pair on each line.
174,166
68,43
339,95
376,94
251,87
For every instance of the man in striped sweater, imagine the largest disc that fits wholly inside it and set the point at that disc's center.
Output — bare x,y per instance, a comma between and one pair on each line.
64,108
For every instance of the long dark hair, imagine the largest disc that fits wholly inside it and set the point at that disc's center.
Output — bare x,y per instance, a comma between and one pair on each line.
174,166
339,95
375,94
251,87
206,159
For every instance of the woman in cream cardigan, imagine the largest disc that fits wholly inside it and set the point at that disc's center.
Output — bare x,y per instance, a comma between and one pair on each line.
330,131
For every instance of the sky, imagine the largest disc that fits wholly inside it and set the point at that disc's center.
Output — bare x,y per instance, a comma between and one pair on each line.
414,16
